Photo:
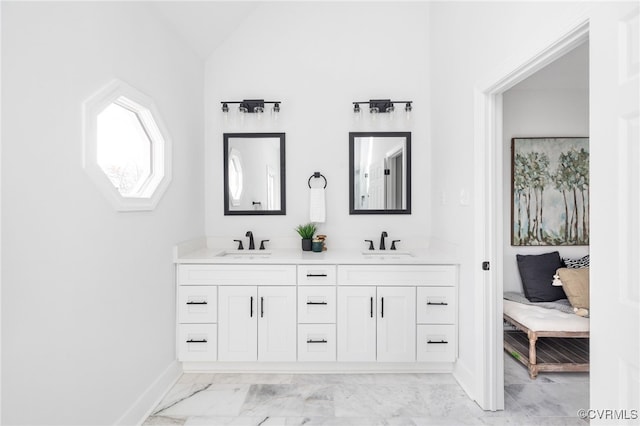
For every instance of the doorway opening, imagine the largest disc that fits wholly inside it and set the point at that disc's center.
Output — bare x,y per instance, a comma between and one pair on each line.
545,172
491,217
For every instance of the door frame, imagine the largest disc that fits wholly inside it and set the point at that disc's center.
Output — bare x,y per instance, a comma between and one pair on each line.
489,235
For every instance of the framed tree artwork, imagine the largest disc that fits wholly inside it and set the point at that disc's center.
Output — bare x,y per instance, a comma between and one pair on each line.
549,191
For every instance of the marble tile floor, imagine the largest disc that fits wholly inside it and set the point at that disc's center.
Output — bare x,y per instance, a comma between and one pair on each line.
367,400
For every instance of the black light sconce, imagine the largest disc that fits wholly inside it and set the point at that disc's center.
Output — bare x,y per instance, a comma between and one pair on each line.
382,105
251,105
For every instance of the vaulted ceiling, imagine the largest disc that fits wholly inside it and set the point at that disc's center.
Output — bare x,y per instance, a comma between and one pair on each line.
204,25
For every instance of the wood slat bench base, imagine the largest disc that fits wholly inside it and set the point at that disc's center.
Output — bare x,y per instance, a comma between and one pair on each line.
559,354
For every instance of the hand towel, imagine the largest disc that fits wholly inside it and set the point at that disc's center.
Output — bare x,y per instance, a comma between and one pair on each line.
317,211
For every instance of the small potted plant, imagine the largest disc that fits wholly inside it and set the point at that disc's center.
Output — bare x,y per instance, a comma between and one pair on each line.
306,232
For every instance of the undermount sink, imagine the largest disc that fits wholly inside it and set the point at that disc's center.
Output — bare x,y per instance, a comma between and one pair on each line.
386,254
245,254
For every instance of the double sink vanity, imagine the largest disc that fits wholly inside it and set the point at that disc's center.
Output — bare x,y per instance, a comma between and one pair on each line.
284,309
288,310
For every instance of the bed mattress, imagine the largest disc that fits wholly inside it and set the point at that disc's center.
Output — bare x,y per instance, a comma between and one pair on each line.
536,318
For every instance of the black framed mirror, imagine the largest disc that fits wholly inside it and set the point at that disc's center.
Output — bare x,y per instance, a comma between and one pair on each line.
254,174
380,173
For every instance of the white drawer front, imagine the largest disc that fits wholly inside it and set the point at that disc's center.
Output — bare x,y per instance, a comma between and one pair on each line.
404,275
197,304
316,342
436,305
316,275
317,304
237,274
197,342
436,343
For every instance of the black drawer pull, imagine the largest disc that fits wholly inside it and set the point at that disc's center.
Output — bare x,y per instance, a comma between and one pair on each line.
262,307
197,303
371,308
251,307
438,303
382,307
316,275
316,341
197,341
437,342
316,303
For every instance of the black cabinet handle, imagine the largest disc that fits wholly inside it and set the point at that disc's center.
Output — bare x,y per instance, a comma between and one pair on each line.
197,341
197,303
316,341
437,342
438,303
316,275
251,307
371,308
262,307
316,303
382,307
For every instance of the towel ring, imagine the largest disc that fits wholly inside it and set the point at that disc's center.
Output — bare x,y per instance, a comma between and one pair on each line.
317,175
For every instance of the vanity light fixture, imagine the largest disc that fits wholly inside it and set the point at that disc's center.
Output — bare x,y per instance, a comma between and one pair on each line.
381,105
251,105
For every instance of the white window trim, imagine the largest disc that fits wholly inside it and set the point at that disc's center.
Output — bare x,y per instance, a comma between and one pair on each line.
154,188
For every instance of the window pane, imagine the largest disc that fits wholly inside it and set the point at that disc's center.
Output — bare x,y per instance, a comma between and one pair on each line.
123,149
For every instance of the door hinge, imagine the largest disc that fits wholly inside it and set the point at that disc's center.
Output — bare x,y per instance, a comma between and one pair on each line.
486,266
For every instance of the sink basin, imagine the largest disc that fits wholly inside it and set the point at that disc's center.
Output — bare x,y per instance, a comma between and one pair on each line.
386,254
245,254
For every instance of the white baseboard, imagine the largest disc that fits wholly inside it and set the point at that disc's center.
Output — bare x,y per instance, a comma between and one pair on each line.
317,367
465,379
144,405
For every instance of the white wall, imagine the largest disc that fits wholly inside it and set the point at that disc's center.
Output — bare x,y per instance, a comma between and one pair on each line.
88,293
472,42
539,112
317,58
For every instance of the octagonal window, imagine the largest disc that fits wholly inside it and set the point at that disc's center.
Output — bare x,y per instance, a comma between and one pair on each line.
124,149
127,152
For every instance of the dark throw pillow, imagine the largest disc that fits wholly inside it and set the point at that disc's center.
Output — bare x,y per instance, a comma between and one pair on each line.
537,273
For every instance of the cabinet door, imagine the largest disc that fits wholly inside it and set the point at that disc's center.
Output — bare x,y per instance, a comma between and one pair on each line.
277,323
396,324
356,323
237,323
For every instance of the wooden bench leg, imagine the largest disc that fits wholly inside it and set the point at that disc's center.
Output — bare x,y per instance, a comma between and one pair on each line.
533,367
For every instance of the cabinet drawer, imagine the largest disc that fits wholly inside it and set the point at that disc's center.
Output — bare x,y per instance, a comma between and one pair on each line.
239,274
317,304
197,342
436,305
436,343
404,275
197,304
316,342
316,275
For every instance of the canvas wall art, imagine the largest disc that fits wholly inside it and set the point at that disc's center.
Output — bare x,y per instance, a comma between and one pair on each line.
549,191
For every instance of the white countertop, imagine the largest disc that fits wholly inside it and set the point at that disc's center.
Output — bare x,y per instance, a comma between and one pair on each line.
191,253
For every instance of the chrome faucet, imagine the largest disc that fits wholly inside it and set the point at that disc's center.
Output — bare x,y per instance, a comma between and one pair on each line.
382,236
249,234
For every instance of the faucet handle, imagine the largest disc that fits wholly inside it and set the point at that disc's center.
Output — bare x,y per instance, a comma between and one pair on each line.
262,244
240,247
393,244
370,244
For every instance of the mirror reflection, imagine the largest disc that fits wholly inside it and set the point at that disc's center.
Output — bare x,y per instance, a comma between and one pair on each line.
254,173
380,172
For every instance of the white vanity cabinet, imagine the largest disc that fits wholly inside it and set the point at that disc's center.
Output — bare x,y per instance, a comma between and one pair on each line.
376,324
256,311
306,316
397,313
